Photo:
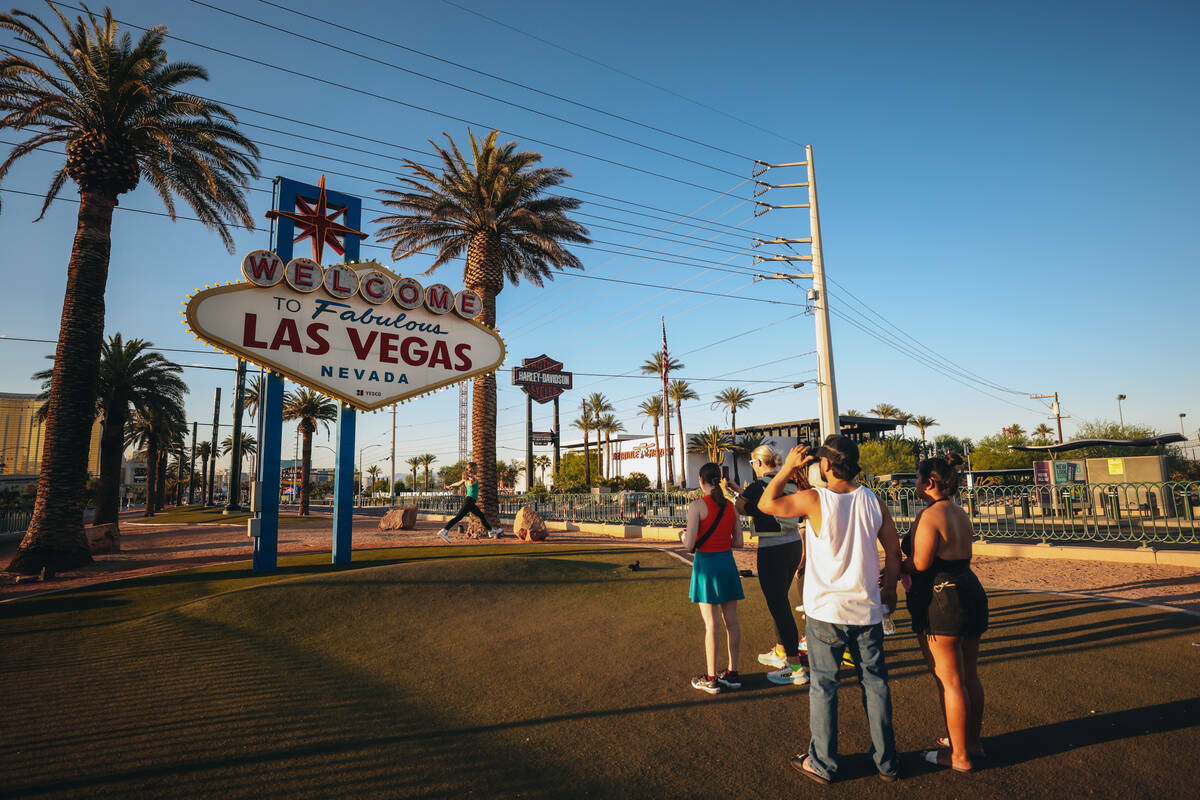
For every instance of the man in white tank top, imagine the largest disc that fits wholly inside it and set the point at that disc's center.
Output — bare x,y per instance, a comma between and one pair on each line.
842,597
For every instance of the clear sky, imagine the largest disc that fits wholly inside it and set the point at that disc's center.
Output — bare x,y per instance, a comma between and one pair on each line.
1004,188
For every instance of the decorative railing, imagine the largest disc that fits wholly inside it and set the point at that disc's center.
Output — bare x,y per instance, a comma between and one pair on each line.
1126,513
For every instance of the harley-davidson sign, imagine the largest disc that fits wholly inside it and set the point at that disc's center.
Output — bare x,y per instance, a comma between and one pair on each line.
356,332
542,378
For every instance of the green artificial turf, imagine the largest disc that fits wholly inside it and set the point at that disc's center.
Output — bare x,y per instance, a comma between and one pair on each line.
541,671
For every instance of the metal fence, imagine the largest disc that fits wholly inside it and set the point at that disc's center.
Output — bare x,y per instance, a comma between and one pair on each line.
1129,513
14,521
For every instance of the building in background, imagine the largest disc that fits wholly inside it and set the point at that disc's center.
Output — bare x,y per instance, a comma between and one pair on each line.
22,437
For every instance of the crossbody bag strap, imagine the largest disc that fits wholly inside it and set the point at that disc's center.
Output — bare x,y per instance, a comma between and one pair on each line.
700,542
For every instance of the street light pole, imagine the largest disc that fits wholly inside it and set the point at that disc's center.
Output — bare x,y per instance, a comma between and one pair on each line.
1120,411
361,475
1181,430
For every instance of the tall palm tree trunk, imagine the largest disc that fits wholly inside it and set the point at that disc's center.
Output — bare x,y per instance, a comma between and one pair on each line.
733,424
55,538
682,445
112,445
161,483
483,276
305,467
657,456
587,461
151,474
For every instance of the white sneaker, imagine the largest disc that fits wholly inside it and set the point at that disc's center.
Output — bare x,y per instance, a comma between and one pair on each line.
494,532
786,675
445,535
772,658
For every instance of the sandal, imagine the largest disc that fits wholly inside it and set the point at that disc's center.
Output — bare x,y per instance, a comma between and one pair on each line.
935,757
800,763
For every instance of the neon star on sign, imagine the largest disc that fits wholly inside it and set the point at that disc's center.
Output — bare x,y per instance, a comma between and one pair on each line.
356,332
317,220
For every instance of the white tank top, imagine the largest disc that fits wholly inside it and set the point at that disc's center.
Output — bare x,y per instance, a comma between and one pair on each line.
841,573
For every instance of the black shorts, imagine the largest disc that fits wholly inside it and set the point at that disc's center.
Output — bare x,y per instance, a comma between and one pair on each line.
949,604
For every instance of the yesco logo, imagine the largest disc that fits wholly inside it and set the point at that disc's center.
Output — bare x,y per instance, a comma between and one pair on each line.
264,268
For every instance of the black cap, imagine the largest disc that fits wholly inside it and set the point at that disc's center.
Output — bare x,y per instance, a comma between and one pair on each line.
839,449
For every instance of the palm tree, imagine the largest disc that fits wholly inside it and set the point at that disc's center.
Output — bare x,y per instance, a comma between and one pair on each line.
204,452
249,447
713,442
598,404
413,463
608,425
656,365
542,463
1042,433
307,408
116,106
751,442
885,411
373,471
154,429
131,375
732,399
853,412
923,423
652,409
497,211
426,460
586,424
904,418
679,391
252,395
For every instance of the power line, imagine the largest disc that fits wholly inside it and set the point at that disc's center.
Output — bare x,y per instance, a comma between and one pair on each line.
384,247
493,76
622,72
347,87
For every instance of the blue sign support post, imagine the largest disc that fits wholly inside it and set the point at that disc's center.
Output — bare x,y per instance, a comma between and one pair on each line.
283,230
266,546
343,486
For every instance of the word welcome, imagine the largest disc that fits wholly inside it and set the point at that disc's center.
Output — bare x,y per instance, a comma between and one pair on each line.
264,268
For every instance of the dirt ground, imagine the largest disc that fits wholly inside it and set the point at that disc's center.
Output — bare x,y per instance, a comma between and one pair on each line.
154,548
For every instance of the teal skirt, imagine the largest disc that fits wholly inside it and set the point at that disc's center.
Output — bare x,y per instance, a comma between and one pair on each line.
715,578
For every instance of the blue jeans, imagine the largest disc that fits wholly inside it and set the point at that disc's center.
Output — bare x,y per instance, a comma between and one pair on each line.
826,643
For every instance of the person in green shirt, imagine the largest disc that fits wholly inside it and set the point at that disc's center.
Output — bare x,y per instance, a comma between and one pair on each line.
470,480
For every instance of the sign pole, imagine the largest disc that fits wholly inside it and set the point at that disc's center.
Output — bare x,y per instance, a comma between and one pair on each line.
557,437
528,442
266,544
343,486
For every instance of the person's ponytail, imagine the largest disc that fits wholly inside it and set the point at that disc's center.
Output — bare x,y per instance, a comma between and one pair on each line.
710,473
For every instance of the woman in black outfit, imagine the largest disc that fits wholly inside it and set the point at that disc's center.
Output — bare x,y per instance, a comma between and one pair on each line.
949,608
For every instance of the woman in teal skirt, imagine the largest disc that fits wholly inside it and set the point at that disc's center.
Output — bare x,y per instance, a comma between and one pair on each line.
712,533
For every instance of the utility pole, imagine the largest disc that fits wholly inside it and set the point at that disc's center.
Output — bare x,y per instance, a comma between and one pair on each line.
667,407
235,439
1055,410
818,294
212,462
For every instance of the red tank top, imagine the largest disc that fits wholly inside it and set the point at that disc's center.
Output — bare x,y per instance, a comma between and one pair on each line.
722,538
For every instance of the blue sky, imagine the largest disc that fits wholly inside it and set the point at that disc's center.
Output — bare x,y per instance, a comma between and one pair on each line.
1006,186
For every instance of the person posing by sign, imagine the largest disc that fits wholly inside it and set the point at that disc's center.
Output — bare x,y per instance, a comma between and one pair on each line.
780,552
470,480
712,532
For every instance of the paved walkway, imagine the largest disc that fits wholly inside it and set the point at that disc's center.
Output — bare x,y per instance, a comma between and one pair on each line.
149,548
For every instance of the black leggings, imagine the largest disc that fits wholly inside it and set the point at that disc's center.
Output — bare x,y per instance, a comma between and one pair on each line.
776,567
468,507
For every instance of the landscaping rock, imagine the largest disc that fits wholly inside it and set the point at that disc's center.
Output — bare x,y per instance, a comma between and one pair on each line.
399,519
103,538
529,527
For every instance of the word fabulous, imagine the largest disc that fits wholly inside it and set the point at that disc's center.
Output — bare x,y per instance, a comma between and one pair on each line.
264,268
